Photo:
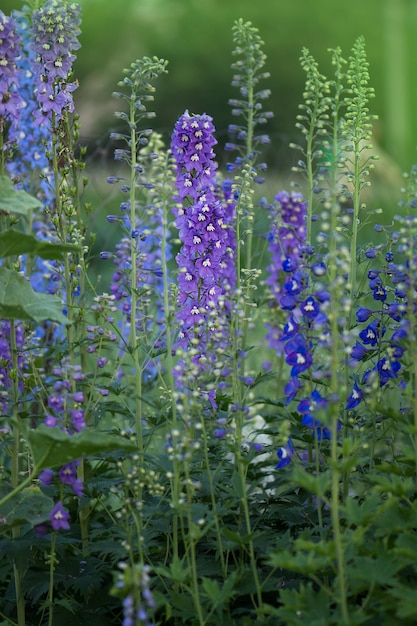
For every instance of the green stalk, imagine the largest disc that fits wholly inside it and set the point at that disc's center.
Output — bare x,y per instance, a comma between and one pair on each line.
84,512
17,569
335,515
251,550
170,363
134,346
355,220
213,500
191,541
51,581
310,177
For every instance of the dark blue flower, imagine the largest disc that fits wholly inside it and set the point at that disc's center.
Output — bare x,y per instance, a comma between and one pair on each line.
358,352
372,333
298,355
363,314
321,431
285,454
355,397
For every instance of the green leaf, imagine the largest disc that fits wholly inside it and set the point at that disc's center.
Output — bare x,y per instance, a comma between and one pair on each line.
14,201
212,589
30,505
406,601
13,242
19,301
53,448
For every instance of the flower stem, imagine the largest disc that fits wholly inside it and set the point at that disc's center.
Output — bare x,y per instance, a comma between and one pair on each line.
134,346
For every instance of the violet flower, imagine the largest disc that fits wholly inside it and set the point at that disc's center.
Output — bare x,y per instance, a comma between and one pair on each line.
59,517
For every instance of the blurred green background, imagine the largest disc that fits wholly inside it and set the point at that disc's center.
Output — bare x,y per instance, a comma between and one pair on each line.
195,36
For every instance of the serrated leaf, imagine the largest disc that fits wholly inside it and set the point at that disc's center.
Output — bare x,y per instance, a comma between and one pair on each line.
18,301
30,505
51,447
13,242
212,589
15,201
405,600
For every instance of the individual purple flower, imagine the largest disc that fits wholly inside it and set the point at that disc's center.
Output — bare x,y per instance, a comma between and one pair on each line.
46,477
68,476
10,50
59,517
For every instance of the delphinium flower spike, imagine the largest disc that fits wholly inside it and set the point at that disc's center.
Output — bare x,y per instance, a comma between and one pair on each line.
30,167
55,31
203,221
10,100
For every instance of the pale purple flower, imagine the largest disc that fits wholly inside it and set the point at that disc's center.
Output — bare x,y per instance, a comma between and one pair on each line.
59,517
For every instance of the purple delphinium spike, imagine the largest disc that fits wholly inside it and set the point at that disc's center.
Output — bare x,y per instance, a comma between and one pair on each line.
55,31
204,219
10,50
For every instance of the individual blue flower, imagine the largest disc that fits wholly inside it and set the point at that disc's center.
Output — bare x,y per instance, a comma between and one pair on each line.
313,403
310,308
355,397
358,351
363,314
379,293
321,431
388,368
285,454
298,355
291,389
372,333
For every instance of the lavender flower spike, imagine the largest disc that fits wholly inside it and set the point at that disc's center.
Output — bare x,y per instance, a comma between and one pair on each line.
55,30
10,101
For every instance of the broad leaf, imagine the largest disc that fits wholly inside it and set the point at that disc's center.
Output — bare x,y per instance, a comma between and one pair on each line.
18,301
51,447
30,505
15,201
13,242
